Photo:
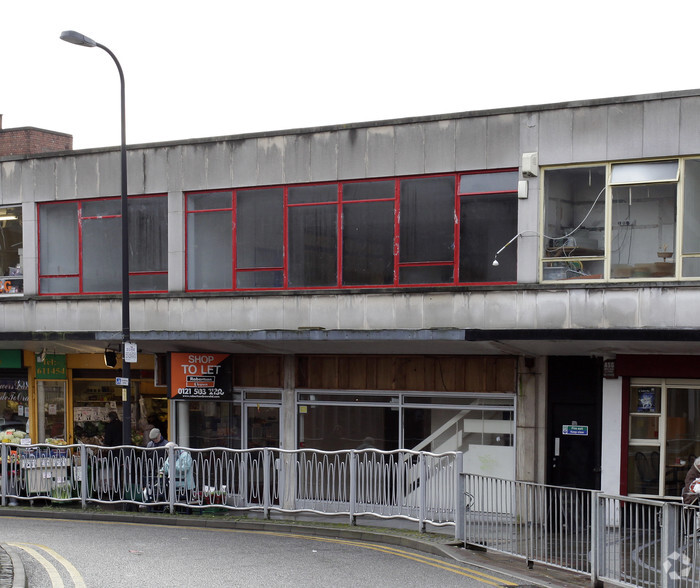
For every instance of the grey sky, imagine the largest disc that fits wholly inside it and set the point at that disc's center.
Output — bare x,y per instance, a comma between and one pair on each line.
208,68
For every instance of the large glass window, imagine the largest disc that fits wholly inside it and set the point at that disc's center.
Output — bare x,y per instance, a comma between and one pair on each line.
313,236
621,221
11,262
80,246
210,424
574,223
260,238
52,410
691,219
481,426
664,435
368,233
363,233
488,212
14,404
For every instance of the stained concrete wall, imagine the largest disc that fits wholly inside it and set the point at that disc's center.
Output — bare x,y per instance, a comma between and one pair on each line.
595,131
584,308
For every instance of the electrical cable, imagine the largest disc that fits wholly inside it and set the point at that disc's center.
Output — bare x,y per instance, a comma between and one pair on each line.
567,235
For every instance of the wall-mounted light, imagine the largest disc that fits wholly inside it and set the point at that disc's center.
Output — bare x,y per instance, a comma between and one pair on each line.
8,217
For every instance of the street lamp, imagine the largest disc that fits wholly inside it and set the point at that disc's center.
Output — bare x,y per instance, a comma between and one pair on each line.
78,39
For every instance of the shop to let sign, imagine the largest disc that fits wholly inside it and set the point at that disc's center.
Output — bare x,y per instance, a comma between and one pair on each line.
198,376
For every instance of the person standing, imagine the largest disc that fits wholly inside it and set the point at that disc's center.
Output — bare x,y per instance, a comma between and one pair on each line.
156,439
113,430
690,493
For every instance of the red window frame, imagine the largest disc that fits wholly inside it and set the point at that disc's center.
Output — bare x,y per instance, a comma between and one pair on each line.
80,219
339,203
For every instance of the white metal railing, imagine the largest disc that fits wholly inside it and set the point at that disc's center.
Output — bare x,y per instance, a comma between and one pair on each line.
620,540
417,486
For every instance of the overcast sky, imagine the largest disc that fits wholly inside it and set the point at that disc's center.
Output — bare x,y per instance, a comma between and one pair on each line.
201,68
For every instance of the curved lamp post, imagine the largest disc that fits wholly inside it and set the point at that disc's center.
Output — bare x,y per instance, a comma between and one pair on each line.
79,39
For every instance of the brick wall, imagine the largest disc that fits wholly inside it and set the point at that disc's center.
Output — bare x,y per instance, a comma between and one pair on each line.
30,140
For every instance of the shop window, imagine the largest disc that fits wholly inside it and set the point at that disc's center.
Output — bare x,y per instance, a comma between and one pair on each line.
80,246
14,404
52,410
93,400
210,424
663,419
11,262
481,426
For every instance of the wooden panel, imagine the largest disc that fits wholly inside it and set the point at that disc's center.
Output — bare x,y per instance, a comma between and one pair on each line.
244,370
261,371
474,375
352,373
268,373
409,373
385,373
506,374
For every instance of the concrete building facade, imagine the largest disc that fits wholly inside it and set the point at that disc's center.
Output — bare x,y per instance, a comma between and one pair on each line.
518,284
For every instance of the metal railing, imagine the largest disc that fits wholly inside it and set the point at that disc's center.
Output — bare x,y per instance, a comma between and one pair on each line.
620,540
416,486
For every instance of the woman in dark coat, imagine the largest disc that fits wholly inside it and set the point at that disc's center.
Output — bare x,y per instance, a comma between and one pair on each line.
690,497
113,430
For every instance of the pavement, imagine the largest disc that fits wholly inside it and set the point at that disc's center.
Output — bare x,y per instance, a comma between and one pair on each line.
12,573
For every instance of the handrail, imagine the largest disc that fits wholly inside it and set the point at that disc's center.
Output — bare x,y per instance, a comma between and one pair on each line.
353,483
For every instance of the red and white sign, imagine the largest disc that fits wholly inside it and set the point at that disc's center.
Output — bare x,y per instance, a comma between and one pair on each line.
197,375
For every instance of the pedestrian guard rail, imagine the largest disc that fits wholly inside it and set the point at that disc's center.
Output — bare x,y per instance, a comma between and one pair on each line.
619,540
416,486
616,540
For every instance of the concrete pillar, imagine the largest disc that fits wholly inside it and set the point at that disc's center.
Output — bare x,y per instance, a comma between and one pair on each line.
530,422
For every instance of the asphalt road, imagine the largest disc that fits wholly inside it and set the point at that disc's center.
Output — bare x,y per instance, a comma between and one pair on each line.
112,554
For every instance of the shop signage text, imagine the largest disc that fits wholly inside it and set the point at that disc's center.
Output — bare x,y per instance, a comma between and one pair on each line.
52,368
198,375
14,390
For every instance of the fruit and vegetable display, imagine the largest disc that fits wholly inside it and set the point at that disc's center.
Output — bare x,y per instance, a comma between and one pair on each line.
12,436
53,441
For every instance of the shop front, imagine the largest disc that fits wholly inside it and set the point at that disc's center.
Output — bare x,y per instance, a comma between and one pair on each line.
76,393
661,422
14,392
421,403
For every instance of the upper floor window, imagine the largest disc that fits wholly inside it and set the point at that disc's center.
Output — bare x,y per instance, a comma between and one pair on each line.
80,246
11,262
431,230
621,221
